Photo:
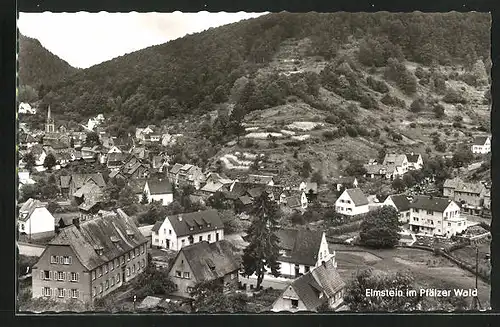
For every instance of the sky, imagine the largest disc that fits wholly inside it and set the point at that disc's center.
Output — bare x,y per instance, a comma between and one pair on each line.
86,39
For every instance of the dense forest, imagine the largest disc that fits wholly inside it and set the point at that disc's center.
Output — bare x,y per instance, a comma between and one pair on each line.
38,66
192,74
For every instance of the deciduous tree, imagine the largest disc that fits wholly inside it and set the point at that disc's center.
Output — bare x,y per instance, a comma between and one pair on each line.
380,228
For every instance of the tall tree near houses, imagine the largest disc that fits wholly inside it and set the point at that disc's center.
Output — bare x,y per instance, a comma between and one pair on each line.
50,161
262,251
30,161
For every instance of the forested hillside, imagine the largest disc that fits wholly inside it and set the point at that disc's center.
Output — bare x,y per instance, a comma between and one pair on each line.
38,66
192,74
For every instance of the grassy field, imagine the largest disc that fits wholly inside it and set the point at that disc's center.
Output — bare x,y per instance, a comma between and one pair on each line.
468,255
428,270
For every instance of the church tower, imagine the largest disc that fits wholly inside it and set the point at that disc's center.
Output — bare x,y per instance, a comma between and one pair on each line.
49,125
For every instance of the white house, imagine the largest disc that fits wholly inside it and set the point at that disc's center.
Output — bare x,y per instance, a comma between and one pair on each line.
401,203
181,230
25,108
436,216
301,250
352,202
296,202
159,190
24,178
34,219
307,187
114,149
415,161
322,285
400,161
481,145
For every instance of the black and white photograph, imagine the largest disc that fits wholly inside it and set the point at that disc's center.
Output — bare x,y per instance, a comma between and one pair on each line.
253,162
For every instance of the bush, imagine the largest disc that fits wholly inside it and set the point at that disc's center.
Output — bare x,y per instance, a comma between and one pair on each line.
438,110
405,79
413,125
376,85
344,229
453,96
368,102
329,135
418,105
393,101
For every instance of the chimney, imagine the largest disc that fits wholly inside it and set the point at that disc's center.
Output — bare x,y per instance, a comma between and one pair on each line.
76,222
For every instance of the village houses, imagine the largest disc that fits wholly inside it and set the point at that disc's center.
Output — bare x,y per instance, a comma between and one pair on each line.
186,175
469,195
178,231
415,161
399,161
481,145
35,220
320,286
346,182
352,202
90,259
401,203
436,216
26,109
205,262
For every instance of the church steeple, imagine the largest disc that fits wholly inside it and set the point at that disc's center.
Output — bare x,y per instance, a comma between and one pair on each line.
49,125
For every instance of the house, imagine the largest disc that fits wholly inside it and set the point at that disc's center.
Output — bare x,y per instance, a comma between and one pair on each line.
89,197
25,108
72,183
173,173
487,199
470,196
190,175
90,259
160,162
205,262
139,152
260,179
108,143
401,203
137,170
415,161
24,178
301,250
449,186
35,220
436,216
481,145
115,159
159,190
378,170
178,231
297,202
168,139
352,202
346,182
320,286
39,154
399,161
310,187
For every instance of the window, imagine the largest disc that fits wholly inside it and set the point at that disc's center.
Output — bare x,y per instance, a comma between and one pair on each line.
164,231
117,278
182,242
99,271
133,269
133,254
74,293
117,262
449,224
189,289
112,281
100,288
306,269
67,260
128,271
122,259
22,226
429,212
105,268
209,237
233,276
186,274
111,265
169,232
46,274
200,239
107,284
320,255
74,277
60,292
60,275
94,291
93,274
216,236
143,248
46,291
295,303
54,259
128,256
178,273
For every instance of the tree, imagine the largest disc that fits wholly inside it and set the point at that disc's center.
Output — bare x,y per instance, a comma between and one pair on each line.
127,199
306,169
263,250
30,161
153,282
217,201
50,161
144,199
462,156
380,228
365,280
72,142
417,105
438,110
27,94
209,297
355,168
317,177
398,185
92,139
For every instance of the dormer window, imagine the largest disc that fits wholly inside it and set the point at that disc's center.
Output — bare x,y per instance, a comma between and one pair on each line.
130,234
208,225
191,228
114,239
99,249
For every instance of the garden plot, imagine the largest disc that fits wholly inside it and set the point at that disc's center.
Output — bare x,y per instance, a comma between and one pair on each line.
263,136
303,125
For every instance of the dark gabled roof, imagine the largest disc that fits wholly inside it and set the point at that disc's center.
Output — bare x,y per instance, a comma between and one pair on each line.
159,186
210,261
157,226
345,180
255,192
430,203
401,202
394,159
181,223
480,140
357,196
117,157
81,179
259,179
452,183
301,244
175,168
294,201
475,188
412,157
245,199
97,233
323,279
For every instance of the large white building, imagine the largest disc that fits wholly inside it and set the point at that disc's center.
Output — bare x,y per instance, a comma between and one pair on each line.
401,203
176,232
481,145
436,216
352,202
159,190
34,219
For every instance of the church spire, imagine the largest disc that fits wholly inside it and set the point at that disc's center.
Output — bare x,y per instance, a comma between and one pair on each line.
48,114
